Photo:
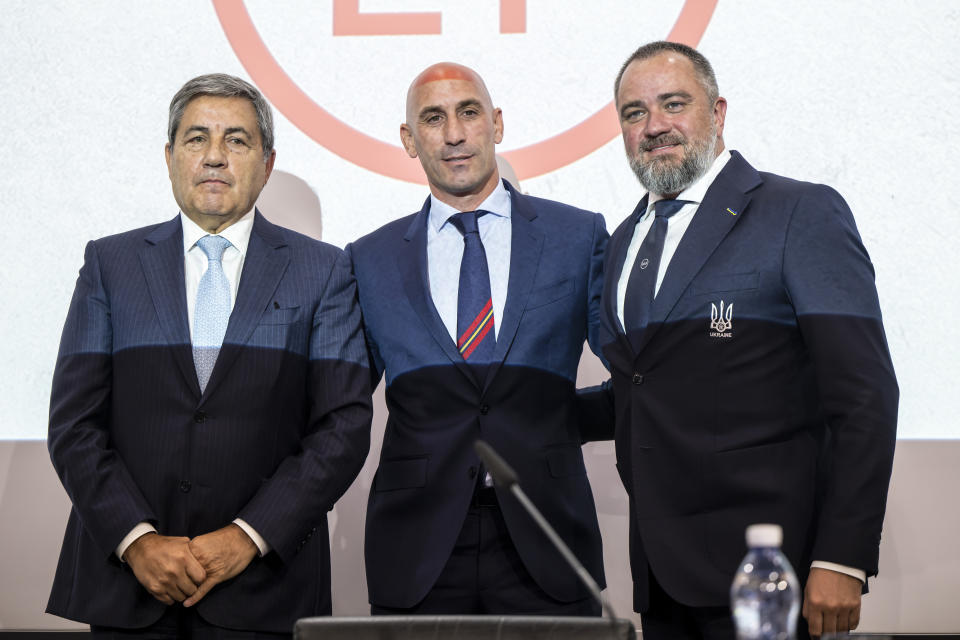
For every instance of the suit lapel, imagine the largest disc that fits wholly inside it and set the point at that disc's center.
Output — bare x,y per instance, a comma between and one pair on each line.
720,210
412,266
162,263
265,263
613,271
526,243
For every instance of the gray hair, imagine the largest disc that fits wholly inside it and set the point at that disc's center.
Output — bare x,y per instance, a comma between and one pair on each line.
700,64
223,86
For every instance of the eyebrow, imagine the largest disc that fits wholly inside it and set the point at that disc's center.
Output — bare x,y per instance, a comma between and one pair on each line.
229,130
469,102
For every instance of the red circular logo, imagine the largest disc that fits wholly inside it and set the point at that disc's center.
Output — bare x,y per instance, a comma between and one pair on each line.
391,160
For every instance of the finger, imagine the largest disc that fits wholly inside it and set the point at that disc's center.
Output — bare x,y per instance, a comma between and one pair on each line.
843,620
201,591
814,621
855,618
186,585
174,592
162,597
829,622
195,570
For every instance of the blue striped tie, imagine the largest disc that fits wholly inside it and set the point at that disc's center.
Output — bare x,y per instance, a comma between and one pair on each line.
476,336
212,312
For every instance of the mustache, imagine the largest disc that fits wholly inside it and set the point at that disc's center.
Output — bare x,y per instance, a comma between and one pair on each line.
458,153
661,141
212,175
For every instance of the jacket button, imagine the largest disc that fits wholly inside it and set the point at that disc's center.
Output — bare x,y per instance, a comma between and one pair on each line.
484,409
185,486
472,472
637,378
199,417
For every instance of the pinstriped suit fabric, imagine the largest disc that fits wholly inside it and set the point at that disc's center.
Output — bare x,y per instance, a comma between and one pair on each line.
276,437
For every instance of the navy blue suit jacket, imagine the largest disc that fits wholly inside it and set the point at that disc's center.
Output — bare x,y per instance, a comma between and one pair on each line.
277,436
786,415
524,405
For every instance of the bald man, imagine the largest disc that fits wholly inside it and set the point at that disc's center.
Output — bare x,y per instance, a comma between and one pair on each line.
476,310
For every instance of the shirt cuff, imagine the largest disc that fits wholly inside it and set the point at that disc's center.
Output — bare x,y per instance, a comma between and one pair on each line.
258,540
139,530
839,568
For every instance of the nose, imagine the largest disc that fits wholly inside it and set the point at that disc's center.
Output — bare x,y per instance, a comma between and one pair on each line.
657,123
453,132
214,155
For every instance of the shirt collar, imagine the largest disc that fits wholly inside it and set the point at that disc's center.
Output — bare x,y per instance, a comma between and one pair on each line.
238,233
696,191
497,203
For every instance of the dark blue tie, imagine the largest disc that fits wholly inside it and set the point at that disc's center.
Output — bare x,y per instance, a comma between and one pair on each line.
643,277
476,336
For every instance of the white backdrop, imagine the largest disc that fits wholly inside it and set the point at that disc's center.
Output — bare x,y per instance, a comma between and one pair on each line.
861,95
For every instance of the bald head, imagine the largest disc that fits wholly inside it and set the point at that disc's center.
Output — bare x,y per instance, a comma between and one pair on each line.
452,127
444,71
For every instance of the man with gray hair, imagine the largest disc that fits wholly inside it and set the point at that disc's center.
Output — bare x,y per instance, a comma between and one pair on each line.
749,365
210,401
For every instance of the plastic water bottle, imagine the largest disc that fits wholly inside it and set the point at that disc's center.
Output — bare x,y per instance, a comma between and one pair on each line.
765,595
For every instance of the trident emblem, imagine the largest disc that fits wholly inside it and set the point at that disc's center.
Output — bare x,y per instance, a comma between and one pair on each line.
720,321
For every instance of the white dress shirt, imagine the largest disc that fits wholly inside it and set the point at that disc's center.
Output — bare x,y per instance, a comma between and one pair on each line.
676,226
194,266
445,252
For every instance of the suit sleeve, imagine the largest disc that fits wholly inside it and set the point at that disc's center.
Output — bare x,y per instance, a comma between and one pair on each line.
373,353
337,437
595,404
830,281
595,287
104,495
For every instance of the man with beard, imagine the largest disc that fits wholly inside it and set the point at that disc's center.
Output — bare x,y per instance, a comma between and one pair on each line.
749,365
476,309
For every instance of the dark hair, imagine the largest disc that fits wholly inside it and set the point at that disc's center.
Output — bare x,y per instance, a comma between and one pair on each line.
223,86
700,64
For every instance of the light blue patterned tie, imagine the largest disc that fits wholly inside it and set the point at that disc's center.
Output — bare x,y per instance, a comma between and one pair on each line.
213,309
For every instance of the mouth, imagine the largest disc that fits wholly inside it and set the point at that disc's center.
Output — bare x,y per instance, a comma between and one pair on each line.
458,158
663,145
214,182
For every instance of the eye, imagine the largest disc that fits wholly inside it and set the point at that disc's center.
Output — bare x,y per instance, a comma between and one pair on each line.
434,118
469,113
237,141
195,139
634,115
674,105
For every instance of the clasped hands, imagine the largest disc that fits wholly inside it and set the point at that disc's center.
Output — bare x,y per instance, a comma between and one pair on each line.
179,569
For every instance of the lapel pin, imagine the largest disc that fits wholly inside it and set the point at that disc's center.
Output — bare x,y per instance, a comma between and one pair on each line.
732,212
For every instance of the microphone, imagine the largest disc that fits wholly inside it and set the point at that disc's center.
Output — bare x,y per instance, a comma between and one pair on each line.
506,478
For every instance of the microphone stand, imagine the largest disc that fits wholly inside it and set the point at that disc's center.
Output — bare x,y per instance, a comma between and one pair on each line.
506,478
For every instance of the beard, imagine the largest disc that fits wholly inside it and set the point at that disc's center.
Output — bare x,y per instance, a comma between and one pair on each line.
666,176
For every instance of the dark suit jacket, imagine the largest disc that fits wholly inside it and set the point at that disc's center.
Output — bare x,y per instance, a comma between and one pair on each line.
523,405
279,433
788,415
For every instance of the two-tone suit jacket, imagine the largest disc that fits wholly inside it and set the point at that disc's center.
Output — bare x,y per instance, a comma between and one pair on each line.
524,404
276,437
761,390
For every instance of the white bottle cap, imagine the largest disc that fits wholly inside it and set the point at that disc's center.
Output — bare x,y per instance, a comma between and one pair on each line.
764,535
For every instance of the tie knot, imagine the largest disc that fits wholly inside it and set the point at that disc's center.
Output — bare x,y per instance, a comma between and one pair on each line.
666,208
213,246
466,221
